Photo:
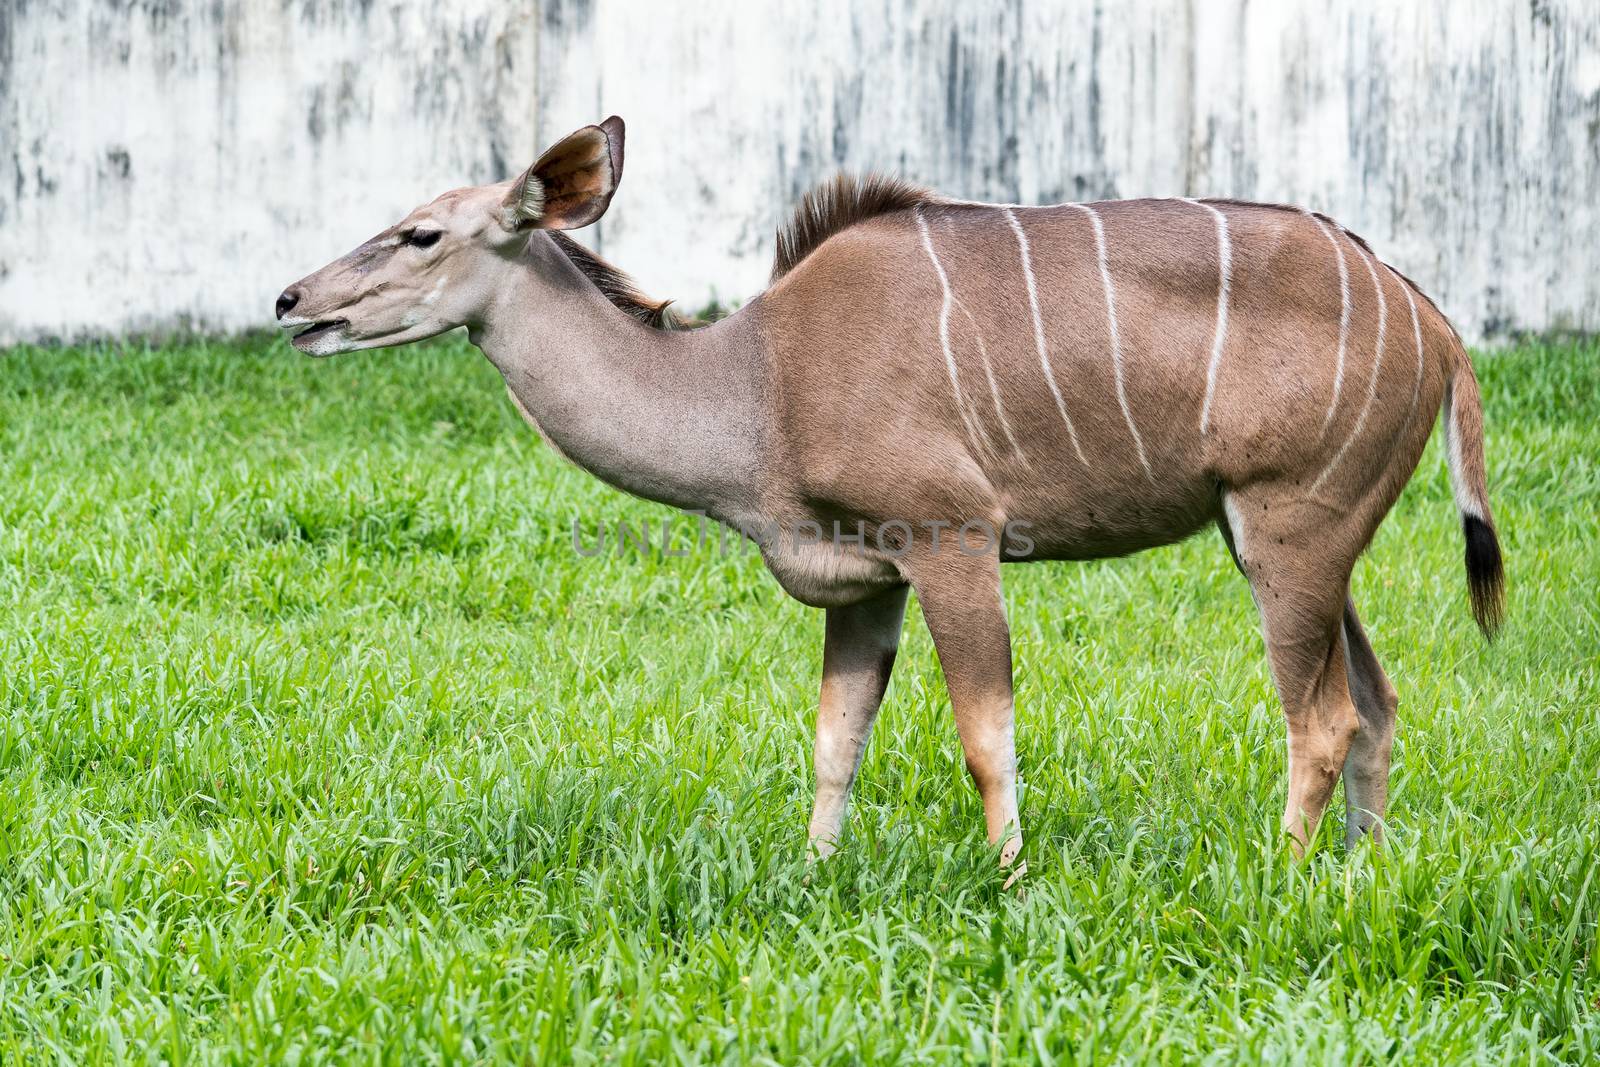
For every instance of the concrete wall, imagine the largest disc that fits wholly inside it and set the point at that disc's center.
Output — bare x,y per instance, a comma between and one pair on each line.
1462,137
169,163
175,163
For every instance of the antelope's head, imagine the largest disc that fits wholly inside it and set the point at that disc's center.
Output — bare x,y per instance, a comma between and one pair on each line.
437,268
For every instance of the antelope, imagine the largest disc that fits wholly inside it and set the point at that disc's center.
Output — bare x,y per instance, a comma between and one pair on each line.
1067,382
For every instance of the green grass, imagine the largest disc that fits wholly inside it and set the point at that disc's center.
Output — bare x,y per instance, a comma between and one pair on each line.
319,743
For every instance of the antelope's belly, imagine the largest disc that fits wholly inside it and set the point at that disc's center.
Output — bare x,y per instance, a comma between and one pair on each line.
828,573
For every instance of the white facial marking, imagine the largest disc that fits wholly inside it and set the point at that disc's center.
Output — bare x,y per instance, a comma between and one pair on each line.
1344,318
415,315
390,242
944,332
1116,335
1372,382
1038,332
1224,282
325,344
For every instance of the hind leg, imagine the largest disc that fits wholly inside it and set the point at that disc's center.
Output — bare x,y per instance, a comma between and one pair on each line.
1298,573
1366,767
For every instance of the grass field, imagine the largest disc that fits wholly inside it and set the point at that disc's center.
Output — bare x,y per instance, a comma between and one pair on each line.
318,742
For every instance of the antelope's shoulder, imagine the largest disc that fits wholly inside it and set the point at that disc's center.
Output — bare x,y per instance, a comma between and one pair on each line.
836,206
849,301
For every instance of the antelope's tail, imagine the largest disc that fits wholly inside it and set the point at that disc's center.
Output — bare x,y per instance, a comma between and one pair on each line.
1463,435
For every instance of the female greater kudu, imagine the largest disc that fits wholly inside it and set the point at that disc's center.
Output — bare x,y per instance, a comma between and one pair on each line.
1064,382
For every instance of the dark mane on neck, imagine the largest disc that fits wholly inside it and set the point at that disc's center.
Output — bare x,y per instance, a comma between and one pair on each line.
618,288
837,205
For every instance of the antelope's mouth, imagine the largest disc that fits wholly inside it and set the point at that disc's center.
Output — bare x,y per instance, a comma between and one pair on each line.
317,329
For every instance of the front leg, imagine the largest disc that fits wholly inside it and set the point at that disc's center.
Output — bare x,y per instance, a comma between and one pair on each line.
961,601
857,657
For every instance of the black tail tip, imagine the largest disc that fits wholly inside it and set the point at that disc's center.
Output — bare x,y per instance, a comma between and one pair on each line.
1485,574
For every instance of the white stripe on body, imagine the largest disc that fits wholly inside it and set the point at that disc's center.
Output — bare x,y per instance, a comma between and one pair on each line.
1038,332
1344,319
1372,382
978,436
994,386
1116,335
1416,333
1219,336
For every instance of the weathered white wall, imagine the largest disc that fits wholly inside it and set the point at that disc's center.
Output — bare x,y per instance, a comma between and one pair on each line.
1462,137
171,163
174,164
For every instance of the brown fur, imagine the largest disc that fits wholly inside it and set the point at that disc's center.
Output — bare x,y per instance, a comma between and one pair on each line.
617,287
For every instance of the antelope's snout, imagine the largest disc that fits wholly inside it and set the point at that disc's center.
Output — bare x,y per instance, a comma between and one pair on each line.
319,334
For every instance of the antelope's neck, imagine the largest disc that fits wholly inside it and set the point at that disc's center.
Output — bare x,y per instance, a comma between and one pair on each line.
672,416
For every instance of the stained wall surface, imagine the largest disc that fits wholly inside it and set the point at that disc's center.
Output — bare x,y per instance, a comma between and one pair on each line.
173,164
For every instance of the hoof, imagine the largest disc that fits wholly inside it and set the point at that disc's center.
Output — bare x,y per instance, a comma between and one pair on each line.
1016,875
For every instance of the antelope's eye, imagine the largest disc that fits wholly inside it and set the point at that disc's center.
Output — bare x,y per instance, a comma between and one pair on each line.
424,238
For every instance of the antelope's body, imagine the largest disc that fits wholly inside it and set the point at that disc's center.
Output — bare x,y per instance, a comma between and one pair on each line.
1065,382
994,359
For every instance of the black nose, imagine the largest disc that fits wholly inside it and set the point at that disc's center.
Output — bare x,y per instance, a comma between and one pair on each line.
286,302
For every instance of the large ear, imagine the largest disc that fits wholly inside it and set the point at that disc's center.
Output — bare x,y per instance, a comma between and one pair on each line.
571,184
